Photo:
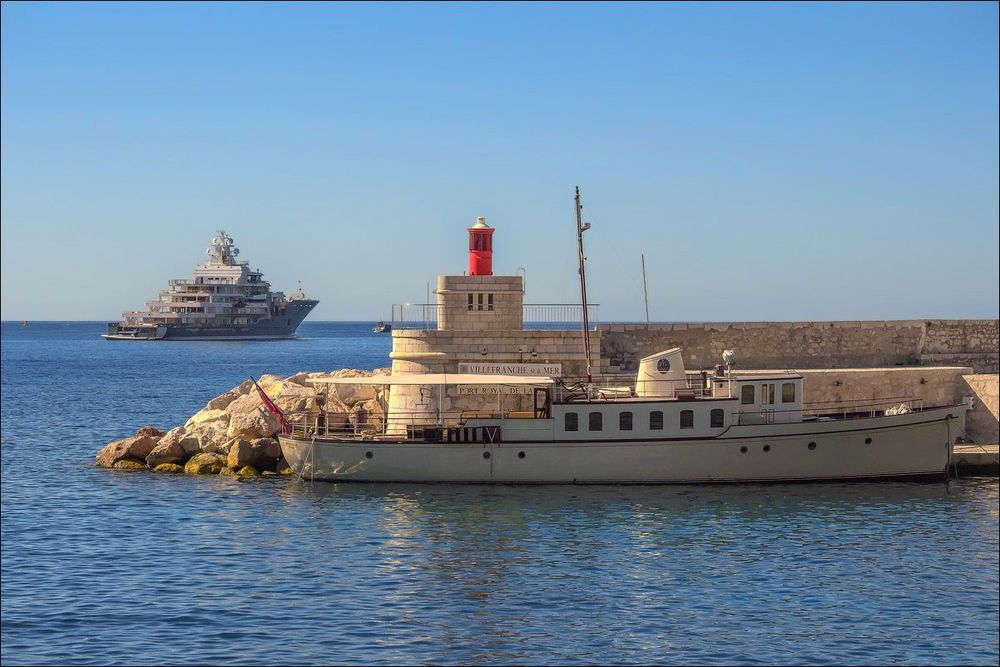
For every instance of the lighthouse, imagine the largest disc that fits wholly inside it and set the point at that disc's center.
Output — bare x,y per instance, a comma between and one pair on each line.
479,300
480,248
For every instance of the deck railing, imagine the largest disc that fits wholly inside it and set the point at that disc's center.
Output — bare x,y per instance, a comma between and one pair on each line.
534,315
840,410
452,425
423,426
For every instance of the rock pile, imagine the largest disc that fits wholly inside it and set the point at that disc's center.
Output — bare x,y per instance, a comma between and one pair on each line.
234,434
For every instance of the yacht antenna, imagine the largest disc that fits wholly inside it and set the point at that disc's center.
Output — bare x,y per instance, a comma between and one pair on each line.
581,227
645,294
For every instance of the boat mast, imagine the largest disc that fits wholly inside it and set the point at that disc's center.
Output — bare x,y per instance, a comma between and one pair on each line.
645,294
581,227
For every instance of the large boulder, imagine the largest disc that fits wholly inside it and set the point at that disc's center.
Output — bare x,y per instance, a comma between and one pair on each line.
210,437
167,450
293,399
244,404
130,464
205,464
189,439
303,377
136,447
253,425
290,399
223,401
259,453
207,416
350,394
151,431
271,447
271,384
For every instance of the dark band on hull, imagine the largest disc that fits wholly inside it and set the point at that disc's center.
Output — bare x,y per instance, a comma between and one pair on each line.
276,327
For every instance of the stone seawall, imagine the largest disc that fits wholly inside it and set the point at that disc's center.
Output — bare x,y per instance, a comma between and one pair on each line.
981,423
799,345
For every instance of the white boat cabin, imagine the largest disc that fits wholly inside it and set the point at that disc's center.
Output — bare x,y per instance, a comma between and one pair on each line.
666,402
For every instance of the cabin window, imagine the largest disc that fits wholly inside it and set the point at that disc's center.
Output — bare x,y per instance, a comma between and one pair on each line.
655,420
489,302
470,301
624,421
788,392
571,422
746,394
596,421
767,394
687,418
718,418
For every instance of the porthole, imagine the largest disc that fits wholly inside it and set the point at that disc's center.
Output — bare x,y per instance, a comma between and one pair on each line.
767,448
812,445
743,449
520,455
868,441
486,455
368,455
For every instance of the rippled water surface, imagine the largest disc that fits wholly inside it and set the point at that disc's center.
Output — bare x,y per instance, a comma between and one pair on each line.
106,566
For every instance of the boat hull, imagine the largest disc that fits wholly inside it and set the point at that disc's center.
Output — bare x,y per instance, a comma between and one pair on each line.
913,446
266,329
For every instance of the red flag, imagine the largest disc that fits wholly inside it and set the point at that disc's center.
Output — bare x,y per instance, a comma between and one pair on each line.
273,409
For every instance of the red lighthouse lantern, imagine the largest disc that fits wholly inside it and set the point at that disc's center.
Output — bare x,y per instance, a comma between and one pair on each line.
481,248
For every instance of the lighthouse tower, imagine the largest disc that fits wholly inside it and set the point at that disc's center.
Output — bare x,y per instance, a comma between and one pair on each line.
480,248
480,301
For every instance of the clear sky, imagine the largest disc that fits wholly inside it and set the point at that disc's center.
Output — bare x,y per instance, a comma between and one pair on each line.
773,162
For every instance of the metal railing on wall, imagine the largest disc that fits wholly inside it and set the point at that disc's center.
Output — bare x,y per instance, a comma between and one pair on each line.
534,315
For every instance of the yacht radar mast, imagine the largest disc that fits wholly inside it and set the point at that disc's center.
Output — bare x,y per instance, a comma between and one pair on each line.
222,250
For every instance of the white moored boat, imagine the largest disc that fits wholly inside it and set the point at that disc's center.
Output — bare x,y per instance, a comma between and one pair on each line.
662,426
723,428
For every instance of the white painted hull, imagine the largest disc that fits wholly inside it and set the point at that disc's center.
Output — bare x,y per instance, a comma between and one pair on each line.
915,445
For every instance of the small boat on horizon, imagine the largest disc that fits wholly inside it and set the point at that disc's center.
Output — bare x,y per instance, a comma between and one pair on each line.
381,327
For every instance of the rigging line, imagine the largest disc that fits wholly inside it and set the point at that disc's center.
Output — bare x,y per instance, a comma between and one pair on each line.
621,262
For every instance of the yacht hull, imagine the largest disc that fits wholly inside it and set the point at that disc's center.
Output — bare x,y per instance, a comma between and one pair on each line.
283,326
912,446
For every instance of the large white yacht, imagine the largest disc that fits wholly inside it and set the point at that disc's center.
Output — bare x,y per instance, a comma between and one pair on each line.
225,300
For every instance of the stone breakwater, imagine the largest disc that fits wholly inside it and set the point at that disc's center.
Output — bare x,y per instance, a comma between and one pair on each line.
234,434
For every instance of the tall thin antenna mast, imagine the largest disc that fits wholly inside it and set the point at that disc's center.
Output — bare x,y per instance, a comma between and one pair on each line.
581,227
645,294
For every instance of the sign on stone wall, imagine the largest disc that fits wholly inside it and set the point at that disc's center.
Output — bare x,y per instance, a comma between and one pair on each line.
530,370
486,390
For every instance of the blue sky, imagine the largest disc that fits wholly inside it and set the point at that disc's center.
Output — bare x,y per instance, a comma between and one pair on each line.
773,162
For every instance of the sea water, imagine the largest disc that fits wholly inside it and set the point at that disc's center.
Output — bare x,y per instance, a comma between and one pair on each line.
110,567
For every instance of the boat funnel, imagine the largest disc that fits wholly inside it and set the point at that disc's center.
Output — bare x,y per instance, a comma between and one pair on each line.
661,373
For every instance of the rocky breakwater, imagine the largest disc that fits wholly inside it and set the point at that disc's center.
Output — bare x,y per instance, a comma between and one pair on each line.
235,434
